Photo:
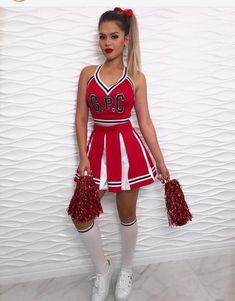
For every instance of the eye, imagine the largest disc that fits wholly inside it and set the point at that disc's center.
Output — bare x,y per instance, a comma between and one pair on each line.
101,37
115,36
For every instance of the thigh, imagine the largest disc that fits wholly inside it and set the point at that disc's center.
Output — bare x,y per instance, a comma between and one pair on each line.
126,204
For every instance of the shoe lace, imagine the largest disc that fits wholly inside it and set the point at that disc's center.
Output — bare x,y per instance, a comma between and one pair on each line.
98,283
125,279
98,280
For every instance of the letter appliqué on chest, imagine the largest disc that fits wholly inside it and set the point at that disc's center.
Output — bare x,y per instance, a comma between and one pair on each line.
114,104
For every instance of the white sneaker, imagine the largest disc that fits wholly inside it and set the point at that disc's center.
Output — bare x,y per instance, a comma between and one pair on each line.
123,285
100,289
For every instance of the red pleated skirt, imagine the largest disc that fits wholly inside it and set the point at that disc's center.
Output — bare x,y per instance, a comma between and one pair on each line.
118,158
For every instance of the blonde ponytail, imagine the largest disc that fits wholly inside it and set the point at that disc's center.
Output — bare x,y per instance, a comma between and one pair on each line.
134,57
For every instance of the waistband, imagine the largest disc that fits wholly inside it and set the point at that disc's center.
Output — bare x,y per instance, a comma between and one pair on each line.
119,126
107,122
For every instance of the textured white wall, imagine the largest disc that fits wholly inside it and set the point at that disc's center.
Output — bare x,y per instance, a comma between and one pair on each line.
188,59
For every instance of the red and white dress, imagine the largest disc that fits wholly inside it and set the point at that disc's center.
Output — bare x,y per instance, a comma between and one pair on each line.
118,158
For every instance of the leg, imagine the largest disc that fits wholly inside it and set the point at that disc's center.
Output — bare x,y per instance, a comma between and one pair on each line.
126,205
89,233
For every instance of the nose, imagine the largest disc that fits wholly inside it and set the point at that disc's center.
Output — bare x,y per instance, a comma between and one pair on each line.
107,42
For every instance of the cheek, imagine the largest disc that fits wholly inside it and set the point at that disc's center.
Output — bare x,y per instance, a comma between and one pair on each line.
121,45
100,43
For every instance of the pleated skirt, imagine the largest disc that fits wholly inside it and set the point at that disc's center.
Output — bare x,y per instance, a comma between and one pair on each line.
118,158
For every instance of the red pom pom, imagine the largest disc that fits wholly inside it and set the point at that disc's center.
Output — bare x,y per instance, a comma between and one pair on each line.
85,203
177,209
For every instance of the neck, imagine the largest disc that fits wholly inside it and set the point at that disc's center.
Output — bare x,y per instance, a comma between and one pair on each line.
114,64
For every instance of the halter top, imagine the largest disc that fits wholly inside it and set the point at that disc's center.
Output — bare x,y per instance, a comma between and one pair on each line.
110,103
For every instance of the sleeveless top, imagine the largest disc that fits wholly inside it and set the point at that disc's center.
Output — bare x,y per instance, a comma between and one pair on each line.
110,103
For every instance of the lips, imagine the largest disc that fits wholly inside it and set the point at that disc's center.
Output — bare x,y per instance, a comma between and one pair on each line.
108,50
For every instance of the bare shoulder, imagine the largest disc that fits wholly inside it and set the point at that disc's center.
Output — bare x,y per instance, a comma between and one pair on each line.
139,80
88,71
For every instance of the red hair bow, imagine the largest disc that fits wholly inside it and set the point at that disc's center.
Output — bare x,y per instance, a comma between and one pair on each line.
127,12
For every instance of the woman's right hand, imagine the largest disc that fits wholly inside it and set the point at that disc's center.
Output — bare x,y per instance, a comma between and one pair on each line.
84,165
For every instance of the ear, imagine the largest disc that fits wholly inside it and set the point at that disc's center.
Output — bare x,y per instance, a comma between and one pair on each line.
127,40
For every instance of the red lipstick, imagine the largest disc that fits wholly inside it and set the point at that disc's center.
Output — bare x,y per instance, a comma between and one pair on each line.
108,50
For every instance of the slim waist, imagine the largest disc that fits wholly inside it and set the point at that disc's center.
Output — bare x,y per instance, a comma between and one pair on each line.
120,124
107,122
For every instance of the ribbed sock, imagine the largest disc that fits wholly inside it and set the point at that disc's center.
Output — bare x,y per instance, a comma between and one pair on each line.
91,238
129,232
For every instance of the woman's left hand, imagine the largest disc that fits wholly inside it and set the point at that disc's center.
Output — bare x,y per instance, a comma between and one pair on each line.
162,172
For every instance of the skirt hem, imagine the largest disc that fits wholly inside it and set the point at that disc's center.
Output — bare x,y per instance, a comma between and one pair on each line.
132,186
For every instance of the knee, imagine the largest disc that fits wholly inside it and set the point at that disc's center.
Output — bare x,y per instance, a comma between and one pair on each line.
82,225
127,218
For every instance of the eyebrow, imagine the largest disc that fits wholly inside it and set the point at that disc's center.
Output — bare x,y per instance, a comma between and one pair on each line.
110,33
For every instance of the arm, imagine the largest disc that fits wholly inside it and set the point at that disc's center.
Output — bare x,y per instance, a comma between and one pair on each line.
81,119
143,116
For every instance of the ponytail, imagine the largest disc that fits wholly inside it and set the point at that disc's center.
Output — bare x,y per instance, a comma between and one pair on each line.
134,58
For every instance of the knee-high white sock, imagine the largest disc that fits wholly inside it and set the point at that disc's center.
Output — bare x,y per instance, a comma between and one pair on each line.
129,232
91,238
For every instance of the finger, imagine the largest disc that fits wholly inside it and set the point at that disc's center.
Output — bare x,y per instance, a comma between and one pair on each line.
82,172
161,180
88,171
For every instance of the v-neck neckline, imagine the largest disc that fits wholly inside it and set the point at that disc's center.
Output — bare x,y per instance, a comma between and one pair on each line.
113,85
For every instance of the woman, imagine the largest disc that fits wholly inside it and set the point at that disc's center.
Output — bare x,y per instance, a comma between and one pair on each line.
115,155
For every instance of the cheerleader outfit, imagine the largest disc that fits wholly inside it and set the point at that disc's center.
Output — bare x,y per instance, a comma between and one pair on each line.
118,158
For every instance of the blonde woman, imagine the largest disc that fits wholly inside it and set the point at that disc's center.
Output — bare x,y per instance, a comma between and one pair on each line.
115,155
